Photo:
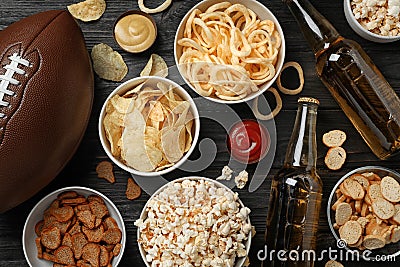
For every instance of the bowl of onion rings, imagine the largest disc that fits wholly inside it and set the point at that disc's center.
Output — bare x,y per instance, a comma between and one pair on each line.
229,52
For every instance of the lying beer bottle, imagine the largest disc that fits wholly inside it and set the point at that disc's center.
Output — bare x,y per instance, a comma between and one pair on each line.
295,198
354,81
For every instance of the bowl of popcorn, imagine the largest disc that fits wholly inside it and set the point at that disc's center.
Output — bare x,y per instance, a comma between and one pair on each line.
374,20
229,52
149,126
364,212
194,221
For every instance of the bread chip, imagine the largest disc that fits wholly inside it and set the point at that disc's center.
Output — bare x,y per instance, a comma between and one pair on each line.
105,170
39,228
117,249
78,242
374,192
98,209
74,201
343,213
373,242
88,10
67,240
63,214
76,228
104,256
39,248
156,66
51,238
396,216
133,191
67,194
64,255
355,190
93,235
350,232
383,208
334,138
110,223
87,218
92,198
107,63
335,158
395,237
112,236
91,254
371,176
390,189
362,180
333,263
373,228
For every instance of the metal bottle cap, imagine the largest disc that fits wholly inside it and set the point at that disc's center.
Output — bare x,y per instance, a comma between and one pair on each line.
308,100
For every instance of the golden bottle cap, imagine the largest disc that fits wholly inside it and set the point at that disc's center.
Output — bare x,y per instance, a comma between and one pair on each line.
308,100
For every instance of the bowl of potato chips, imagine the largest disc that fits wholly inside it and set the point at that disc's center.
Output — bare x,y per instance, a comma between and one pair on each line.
229,52
149,126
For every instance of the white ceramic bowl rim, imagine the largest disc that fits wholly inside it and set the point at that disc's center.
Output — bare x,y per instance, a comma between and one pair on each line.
332,196
126,86
281,55
347,6
143,214
54,194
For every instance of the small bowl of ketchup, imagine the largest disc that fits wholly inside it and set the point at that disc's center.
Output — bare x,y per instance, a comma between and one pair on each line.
248,141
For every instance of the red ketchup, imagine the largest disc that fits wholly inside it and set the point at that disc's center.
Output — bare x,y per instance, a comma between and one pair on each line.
248,141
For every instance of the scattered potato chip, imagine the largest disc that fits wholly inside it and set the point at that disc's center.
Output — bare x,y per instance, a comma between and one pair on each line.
149,128
88,10
107,63
156,66
160,8
105,170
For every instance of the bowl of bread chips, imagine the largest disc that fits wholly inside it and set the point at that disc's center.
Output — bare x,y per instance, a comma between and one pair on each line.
364,212
229,52
74,226
149,126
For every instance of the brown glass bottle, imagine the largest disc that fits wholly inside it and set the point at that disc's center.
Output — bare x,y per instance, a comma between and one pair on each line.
354,81
295,198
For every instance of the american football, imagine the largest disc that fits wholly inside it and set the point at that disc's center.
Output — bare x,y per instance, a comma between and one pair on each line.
46,94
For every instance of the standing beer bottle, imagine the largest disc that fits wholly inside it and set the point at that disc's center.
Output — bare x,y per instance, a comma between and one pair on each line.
295,197
354,81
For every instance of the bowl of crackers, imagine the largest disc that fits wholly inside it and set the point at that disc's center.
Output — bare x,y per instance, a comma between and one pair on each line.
149,126
194,221
364,212
229,52
74,226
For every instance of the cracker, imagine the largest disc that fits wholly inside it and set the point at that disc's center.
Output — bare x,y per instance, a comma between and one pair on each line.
88,10
105,171
133,191
107,63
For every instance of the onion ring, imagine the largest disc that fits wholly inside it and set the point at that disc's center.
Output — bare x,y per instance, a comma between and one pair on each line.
301,77
273,113
160,8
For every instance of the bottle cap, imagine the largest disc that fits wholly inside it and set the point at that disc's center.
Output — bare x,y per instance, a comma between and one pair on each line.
308,100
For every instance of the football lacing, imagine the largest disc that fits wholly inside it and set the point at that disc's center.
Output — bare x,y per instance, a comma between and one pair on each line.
7,78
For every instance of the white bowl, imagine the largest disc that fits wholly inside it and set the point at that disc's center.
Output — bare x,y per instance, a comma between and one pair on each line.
143,215
263,13
150,80
360,30
36,215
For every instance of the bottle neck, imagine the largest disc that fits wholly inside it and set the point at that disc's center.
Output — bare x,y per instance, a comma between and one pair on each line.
317,30
302,149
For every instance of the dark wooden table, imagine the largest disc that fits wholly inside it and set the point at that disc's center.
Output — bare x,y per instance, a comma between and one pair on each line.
81,169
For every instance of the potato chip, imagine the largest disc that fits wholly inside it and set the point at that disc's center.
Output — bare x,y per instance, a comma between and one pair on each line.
171,143
88,10
160,8
156,66
107,63
113,134
121,104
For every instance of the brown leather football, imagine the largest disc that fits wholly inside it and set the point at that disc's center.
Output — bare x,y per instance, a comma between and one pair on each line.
46,95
